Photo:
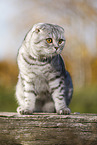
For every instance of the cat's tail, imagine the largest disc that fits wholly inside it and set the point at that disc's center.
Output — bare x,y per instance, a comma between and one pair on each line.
69,88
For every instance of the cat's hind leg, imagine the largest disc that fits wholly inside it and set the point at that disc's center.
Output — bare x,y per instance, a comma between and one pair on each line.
48,107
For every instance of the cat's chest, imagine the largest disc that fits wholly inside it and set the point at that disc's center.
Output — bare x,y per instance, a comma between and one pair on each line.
42,69
37,69
42,73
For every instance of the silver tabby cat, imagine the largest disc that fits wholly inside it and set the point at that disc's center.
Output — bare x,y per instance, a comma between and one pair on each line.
44,85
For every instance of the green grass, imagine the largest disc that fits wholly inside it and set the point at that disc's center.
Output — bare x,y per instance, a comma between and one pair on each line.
7,99
84,100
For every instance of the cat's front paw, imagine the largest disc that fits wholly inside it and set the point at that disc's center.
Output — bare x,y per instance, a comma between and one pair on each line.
23,111
65,111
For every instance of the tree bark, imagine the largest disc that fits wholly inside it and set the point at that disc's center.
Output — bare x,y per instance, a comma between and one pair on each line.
48,128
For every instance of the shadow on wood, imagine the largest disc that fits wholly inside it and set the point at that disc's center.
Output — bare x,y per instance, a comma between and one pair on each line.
49,128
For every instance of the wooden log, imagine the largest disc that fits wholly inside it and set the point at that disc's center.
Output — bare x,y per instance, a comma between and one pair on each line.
48,128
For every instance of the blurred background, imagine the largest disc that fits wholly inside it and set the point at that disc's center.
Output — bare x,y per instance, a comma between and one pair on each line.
78,18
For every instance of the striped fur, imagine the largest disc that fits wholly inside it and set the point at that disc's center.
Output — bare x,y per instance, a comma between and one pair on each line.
43,82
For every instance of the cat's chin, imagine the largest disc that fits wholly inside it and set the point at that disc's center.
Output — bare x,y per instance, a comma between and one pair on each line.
53,54
58,52
46,56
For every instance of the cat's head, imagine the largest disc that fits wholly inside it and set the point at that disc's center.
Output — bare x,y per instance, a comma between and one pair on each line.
45,40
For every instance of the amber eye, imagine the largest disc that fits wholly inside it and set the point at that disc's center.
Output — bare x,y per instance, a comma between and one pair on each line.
60,41
49,40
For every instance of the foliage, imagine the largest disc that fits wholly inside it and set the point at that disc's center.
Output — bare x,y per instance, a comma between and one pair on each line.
8,79
7,99
8,73
85,100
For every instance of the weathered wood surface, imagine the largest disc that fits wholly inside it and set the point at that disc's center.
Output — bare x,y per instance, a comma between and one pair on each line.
50,129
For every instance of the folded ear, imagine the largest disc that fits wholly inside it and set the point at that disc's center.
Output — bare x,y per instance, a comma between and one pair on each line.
37,30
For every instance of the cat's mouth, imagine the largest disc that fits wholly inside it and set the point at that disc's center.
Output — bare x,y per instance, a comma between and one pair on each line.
48,54
56,52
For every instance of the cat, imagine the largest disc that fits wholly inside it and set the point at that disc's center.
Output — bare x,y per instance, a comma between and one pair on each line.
44,84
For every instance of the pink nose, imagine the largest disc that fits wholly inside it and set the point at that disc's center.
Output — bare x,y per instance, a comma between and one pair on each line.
56,48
